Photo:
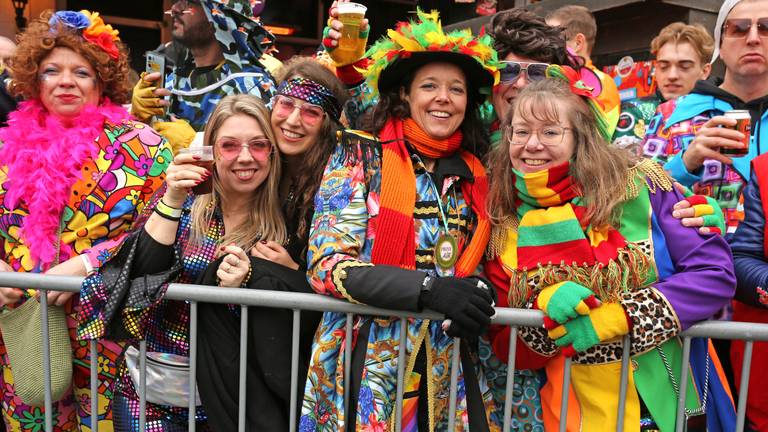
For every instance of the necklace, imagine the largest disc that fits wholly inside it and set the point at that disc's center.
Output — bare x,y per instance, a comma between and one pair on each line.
446,250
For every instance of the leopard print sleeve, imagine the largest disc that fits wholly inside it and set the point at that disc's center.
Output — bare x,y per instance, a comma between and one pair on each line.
654,321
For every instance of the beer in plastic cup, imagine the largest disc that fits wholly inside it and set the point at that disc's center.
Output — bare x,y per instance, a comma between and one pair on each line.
205,161
743,125
351,46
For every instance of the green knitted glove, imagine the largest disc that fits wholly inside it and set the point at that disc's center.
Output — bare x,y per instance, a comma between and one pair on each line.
565,300
603,323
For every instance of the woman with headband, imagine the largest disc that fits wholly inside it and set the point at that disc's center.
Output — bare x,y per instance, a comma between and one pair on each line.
305,118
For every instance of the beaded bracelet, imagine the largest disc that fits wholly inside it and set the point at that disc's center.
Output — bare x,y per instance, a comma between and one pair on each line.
168,212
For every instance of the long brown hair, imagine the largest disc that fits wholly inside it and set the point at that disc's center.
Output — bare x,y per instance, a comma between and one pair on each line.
265,221
313,162
599,170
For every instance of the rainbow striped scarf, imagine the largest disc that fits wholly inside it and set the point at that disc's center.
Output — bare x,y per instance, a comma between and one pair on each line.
556,240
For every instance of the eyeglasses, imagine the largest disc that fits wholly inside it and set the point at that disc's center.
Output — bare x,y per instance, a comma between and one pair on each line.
512,70
740,27
283,106
230,149
183,5
548,135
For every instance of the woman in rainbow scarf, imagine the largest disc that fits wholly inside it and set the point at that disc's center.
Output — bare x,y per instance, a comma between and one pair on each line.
584,233
400,223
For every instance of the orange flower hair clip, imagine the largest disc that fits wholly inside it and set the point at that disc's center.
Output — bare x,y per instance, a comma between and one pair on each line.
92,28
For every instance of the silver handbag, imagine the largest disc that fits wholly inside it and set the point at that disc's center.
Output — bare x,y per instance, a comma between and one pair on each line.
167,377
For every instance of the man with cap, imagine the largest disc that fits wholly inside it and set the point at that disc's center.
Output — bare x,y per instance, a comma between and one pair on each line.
224,45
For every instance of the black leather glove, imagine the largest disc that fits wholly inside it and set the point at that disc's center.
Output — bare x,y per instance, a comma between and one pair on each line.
462,301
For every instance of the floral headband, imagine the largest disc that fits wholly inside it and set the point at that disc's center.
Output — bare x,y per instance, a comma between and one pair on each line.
92,29
312,92
569,75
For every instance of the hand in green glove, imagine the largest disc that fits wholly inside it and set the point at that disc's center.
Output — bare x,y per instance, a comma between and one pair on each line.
564,301
146,100
178,133
603,323
699,211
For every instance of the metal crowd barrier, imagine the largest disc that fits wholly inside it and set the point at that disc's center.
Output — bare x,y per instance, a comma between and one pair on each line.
194,294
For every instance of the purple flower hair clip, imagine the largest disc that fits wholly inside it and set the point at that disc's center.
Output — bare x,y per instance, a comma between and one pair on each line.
72,19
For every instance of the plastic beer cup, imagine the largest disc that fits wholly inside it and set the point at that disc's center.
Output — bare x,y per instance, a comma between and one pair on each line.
743,125
205,161
351,45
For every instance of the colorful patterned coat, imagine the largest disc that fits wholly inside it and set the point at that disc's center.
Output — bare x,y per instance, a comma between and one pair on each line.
342,236
114,188
239,37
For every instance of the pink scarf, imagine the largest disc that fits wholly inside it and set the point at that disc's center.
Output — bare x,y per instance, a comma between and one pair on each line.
43,157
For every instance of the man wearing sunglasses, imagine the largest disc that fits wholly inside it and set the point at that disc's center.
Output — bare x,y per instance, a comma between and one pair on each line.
526,45
223,47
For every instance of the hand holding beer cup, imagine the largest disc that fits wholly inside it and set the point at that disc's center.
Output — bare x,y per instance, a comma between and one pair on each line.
716,138
346,34
187,171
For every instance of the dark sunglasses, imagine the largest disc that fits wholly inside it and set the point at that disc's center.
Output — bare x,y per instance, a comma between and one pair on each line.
511,71
740,27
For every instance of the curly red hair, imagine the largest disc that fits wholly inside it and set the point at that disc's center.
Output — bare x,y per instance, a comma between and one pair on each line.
39,39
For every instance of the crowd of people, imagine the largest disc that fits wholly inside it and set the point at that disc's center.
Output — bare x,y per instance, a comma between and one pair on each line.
438,170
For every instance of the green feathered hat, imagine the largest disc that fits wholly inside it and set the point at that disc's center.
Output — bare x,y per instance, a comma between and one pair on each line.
413,44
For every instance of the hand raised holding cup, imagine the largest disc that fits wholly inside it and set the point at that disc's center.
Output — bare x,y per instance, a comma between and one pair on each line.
190,168
346,35
714,136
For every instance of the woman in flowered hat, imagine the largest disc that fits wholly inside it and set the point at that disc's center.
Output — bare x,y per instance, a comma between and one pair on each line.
585,233
96,169
400,223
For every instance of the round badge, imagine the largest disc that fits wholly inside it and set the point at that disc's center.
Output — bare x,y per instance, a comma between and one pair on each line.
446,252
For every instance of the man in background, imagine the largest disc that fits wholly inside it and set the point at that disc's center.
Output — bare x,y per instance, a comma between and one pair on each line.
580,29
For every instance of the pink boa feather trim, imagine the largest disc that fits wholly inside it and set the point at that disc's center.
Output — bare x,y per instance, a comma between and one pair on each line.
43,158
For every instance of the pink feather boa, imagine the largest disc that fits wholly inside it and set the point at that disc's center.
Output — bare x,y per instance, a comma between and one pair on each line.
43,158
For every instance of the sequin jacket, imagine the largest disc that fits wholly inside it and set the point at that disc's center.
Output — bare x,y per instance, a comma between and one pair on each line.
342,236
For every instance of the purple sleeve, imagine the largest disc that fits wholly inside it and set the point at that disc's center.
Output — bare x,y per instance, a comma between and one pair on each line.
703,279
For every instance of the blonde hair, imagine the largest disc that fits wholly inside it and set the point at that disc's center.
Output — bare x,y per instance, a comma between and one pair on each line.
680,32
265,220
599,170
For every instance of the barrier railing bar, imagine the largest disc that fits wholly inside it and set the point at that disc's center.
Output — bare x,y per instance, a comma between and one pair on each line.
626,349
347,364
454,384
94,385
510,392
46,359
192,364
565,394
243,368
683,389
401,350
746,363
142,385
294,369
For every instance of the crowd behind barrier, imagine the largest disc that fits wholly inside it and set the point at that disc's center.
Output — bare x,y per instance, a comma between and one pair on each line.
194,294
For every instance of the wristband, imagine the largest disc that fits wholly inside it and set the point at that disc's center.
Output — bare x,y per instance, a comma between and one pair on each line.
168,212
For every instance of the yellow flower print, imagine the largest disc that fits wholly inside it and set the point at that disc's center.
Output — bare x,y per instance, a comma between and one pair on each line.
133,197
19,251
82,231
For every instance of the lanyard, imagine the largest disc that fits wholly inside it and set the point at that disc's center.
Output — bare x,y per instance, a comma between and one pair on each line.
443,218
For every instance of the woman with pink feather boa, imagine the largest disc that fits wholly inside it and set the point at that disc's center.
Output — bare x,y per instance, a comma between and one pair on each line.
75,171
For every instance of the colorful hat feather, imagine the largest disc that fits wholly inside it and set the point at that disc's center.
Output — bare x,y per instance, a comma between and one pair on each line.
569,75
416,42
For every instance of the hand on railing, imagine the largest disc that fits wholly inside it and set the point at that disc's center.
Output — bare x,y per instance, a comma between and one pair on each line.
603,323
9,295
470,308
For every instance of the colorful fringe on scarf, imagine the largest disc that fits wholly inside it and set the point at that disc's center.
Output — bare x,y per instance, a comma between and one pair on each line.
395,238
551,240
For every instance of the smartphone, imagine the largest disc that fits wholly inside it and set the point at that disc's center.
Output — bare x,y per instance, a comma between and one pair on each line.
156,63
